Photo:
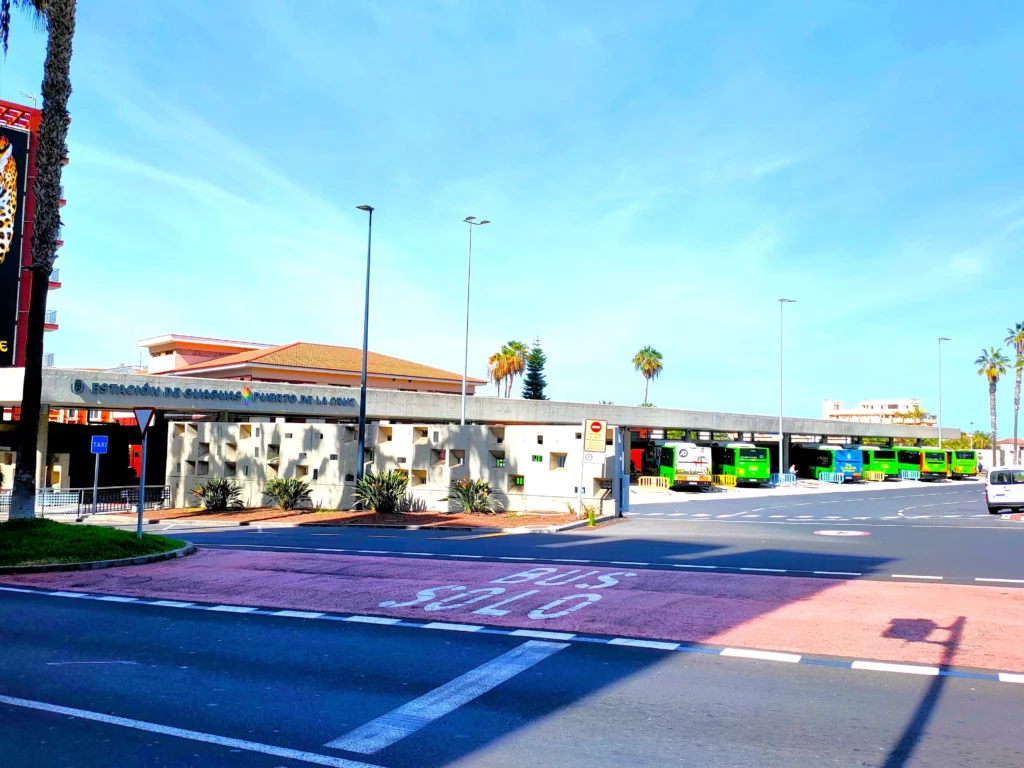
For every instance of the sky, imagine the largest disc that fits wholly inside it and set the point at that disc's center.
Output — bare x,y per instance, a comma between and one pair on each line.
657,173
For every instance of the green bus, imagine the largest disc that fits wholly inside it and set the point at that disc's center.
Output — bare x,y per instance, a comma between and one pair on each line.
744,461
961,463
930,462
684,464
877,459
813,459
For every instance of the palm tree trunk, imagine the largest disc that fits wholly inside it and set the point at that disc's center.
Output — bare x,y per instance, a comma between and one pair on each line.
647,384
1016,407
50,153
992,412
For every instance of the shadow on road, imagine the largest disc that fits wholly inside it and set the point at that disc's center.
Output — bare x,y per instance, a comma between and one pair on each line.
919,631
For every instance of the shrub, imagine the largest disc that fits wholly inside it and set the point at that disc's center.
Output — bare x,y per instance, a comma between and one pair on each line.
382,492
218,495
472,496
288,493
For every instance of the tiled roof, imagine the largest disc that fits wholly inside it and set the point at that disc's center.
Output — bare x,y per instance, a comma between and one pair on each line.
325,357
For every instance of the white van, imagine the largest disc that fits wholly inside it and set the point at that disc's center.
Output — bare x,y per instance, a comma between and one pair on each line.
1004,489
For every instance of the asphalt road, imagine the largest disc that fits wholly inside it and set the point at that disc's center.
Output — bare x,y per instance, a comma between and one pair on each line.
981,550
267,691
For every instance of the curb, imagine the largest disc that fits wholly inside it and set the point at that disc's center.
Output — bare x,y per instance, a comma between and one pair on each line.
93,565
480,529
850,663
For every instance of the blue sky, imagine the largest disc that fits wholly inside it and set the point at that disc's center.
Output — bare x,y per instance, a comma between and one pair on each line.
657,173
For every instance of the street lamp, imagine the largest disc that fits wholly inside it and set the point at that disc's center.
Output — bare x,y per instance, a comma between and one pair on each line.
941,339
782,304
472,222
360,447
972,435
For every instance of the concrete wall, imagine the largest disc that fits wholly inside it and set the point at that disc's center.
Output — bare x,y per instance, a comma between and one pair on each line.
432,455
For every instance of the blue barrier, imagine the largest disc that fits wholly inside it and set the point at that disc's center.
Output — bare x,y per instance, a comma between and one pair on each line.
784,479
831,477
910,474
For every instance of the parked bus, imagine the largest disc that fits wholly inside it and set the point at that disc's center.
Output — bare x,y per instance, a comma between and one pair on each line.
877,459
930,462
961,464
812,460
745,461
685,464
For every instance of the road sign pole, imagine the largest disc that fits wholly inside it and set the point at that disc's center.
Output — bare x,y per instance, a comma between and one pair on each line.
142,484
95,482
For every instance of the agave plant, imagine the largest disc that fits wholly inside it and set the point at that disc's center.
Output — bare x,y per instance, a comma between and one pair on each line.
218,494
383,492
288,493
472,496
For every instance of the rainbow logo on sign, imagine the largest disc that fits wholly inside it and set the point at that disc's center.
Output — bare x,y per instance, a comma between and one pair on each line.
246,395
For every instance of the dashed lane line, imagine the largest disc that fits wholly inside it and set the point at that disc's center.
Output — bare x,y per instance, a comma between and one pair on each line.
640,643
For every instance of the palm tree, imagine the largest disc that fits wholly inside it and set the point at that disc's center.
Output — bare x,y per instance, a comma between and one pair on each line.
515,355
1015,338
496,370
992,364
58,18
648,362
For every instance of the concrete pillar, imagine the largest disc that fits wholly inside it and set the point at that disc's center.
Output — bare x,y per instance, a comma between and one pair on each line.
889,443
42,447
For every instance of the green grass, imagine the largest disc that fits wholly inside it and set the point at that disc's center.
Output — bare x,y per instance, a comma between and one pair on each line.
41,542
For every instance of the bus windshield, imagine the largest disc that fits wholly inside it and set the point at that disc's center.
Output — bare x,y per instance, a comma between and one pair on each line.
934,456
753,453
965,454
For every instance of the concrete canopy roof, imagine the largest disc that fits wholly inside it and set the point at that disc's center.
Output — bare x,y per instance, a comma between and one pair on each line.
71,388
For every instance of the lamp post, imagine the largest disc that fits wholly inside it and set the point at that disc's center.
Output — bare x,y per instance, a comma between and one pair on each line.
972,435
941,339
360,446
782,305
472,222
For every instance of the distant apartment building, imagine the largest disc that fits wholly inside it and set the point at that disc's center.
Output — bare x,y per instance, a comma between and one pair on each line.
894,411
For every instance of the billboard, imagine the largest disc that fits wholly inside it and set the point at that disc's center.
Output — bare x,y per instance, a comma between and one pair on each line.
13,189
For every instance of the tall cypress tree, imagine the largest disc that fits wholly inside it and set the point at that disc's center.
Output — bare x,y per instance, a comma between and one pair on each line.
534,383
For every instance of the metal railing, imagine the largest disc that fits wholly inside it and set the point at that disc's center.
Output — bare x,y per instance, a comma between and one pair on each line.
728,481
55,276
51,317
832,477
910,474
652,481
875,477
786,478
77,502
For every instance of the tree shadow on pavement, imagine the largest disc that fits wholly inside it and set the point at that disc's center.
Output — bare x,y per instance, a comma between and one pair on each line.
919,631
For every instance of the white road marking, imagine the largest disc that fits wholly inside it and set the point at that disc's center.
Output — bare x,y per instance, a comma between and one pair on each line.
67,663
516,558
67,594
298,614
541,634
655,514
418,713
182,733
744,653
372,620
117,599
1002,581
751,516
453,627
836,573
171,603
232,609
765,570
860,518
567,560
677,514
656,644
1006,677
914,576
472,557
774,517
625,562
909,669
687,565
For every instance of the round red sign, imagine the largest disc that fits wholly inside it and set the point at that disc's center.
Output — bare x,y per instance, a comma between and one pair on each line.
595,426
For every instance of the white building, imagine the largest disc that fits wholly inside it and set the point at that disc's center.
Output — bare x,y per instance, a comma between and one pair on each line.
893,411
531,467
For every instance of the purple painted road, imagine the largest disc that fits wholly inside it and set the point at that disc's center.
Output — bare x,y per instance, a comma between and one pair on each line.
844,618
